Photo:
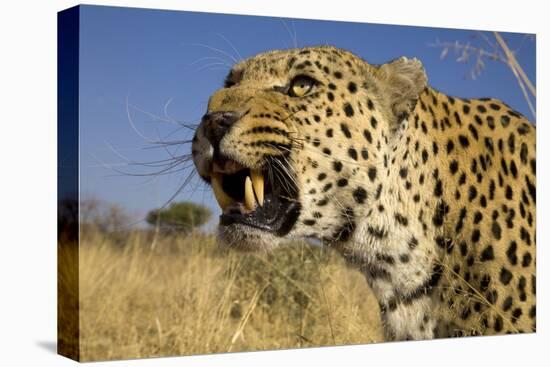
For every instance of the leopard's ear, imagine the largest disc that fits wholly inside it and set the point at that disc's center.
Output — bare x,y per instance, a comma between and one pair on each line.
401,82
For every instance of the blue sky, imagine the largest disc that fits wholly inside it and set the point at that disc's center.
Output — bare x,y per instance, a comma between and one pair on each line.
166,64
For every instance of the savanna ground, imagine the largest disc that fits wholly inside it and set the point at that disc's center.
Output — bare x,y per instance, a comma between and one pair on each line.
145,296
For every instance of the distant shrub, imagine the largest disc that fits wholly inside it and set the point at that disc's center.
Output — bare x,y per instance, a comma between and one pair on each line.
179,217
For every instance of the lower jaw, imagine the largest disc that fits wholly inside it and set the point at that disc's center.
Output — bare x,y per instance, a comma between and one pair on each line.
245,238
278,226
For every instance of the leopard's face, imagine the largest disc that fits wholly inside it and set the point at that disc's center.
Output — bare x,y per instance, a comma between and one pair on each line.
295,143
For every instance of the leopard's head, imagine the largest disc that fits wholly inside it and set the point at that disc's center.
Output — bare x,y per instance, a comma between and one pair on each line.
294,145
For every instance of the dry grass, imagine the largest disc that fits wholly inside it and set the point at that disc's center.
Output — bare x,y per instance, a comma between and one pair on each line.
188,297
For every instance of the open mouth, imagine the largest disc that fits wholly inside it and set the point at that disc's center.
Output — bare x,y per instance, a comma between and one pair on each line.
265,199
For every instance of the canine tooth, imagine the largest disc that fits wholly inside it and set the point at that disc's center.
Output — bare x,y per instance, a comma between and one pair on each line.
249,201
258,185
222,198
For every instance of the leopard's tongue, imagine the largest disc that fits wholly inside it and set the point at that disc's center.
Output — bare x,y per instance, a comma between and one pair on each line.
253,190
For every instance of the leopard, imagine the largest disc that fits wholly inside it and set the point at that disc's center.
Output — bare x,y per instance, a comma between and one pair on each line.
431,197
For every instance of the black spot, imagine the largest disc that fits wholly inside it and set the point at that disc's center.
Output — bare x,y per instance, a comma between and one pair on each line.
345,130
342,182
484,283
403,172
450,146
367,135
483,201
372,173
463,248
348,110
424,128
495,228
466,109
401,219
488,254
533,312
491,122
413,242
505,276
291,62
477,217
511,253
509,192
475,235
373,122
377,232
507,304
512,143
524,235
338,75
453,166
441,211
522,283
438,189
460,222
531,188
505,120
463,141
494,106
498,323
526,261
309,222
337,166
489,145
359,195
370,105
472,193
352,153
513,170
492,296
322,176
457,118
424,156
444,243
516,314
388,259
435,148
481,108
344,232
523,129
352,87
478,120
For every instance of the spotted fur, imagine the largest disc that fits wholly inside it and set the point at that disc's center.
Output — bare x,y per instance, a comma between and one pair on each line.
431,197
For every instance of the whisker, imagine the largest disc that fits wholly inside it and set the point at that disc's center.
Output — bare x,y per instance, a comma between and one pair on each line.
230,45
210,65
221,52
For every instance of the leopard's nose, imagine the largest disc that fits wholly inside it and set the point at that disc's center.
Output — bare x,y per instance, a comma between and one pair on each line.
217,124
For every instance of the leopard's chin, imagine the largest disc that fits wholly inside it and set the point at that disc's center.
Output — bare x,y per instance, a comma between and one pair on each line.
242,237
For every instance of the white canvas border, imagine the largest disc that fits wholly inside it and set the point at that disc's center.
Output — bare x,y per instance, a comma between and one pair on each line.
28,151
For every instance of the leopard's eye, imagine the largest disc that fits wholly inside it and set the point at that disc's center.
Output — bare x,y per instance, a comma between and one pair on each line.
301,86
